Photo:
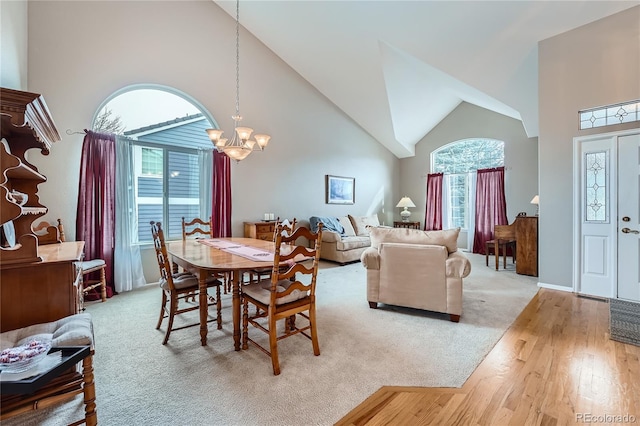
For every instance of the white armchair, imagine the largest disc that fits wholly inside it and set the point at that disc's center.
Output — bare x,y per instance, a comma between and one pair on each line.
416,269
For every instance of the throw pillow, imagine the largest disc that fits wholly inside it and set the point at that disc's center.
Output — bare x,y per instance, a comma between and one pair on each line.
361,224
348,228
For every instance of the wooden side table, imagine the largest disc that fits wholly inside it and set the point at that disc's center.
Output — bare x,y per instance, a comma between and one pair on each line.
260,230
410,225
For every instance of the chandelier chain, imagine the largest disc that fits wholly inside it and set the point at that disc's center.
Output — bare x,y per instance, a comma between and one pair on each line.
238,58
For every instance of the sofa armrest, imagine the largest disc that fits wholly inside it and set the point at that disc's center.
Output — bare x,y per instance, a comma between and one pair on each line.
458,265
370,258
330,236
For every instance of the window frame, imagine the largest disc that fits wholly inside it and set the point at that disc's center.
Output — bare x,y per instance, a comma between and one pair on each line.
467,173
166,175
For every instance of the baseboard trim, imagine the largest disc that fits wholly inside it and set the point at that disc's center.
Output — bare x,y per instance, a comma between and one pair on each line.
555,287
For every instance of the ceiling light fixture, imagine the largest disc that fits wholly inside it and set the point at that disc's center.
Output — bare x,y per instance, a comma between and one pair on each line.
240,145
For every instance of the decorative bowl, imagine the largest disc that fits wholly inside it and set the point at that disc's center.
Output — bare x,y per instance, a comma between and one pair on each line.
21,358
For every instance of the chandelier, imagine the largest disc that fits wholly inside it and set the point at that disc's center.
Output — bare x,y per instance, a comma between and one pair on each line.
240,145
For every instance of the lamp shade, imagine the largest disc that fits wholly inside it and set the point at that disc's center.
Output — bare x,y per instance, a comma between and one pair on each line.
535,200
405,202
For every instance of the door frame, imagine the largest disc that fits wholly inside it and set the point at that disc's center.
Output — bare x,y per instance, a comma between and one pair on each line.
613,205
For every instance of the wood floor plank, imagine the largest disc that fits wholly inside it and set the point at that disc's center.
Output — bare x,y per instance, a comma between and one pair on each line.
553,366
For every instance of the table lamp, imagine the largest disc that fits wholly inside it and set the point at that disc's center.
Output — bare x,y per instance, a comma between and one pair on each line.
405,202
536,200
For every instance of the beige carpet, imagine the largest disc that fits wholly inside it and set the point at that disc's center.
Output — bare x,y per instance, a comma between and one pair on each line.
141,382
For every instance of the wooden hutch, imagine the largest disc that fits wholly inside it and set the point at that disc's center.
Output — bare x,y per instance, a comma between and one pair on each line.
37,283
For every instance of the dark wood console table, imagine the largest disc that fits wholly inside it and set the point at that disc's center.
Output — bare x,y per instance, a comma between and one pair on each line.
410,225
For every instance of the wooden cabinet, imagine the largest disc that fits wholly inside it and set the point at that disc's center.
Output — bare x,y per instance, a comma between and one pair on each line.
527,245
260,230
37,283
41,291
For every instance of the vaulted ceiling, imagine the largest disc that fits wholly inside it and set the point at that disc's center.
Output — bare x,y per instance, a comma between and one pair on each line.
398,68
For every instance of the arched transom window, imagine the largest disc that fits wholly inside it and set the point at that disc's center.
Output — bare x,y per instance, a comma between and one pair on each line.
458,161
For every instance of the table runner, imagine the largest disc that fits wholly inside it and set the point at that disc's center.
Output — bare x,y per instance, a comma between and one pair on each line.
247,252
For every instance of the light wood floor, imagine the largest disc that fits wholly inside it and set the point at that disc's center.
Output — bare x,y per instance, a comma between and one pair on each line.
554,366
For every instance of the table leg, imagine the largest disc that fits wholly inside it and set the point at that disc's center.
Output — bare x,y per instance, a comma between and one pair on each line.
236,308
203,304
504,255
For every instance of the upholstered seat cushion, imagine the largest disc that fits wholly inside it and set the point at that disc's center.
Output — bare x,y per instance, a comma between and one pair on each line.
261,291
91,264
350,243
184,280
74,330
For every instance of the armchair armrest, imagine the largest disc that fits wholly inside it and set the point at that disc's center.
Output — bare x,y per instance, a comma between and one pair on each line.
330,236
458,265
370,258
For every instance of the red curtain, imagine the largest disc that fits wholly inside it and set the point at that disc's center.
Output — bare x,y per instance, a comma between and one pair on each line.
95,218
491,206
433,209
221,208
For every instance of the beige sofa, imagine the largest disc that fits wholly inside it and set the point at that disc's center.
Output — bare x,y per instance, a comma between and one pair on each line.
347,244
416,269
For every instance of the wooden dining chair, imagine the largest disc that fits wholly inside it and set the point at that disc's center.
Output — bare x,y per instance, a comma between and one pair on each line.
48,233
288,227
283,297
176,287
198,228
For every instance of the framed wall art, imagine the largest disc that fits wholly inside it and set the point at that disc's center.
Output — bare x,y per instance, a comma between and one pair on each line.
340,189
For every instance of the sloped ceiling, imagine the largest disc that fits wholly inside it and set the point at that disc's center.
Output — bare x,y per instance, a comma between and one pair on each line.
398,68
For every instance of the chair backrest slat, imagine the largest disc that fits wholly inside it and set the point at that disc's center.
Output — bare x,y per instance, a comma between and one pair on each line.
196,227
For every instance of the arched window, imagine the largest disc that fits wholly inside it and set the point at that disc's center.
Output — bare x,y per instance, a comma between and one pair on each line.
170,155
458,161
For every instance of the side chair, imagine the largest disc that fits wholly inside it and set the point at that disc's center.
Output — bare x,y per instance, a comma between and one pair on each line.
287,293
178,287
48,233
288,227
198,228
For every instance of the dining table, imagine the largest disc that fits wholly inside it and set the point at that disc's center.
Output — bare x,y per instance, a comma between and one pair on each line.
202,257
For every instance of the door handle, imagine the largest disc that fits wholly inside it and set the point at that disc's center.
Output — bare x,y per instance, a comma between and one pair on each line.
629,231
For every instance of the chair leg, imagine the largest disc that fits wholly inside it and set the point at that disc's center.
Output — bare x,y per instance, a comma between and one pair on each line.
245,324
162,308
314,330
496,252
219,307
103,285
504,256
172,312
273,345
89,391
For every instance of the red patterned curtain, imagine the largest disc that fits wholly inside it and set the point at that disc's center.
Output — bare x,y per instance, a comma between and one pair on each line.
95,218
433,209
491,206
221,206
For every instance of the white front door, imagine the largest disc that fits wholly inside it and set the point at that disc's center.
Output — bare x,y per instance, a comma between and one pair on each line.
606,182
629,217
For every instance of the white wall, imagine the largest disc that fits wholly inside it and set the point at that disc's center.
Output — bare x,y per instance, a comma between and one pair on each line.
594,65
470,121
13,44
82,52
